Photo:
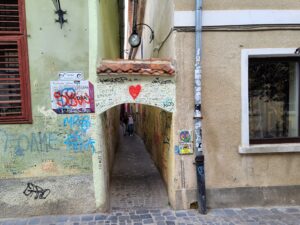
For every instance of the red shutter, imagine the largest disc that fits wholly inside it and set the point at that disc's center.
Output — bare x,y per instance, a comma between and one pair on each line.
15,104
10,16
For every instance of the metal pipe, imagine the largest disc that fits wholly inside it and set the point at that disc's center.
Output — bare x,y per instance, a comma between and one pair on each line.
134,26
198,114
135,6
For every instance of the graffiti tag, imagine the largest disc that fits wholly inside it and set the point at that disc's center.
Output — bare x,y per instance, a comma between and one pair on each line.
39,192
72,97
34,142
168,102
69,97
78,139
157,80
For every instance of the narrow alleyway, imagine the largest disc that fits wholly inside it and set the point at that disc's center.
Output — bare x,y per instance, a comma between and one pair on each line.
135,181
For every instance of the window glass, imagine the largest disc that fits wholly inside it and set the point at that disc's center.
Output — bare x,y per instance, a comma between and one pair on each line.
273,98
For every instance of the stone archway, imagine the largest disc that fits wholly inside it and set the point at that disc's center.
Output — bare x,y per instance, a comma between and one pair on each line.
150,82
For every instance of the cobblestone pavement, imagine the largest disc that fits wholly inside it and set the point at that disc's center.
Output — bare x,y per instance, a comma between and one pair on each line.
246,216
136,183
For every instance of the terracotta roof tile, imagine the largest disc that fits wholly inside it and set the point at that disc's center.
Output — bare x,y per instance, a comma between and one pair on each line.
154,67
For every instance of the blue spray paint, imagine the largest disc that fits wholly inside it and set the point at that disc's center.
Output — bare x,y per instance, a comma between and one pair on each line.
78,139
34,142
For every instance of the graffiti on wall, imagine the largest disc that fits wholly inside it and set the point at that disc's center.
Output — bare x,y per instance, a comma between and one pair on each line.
69,97
134,91
165,120
41,151
33,142
159,92
38,192
78,138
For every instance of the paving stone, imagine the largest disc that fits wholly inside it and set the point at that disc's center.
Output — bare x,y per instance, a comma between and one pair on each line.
229,212
160,223
87,218
180,214
171,218
133,217
148,221
100,222
217,212
124,218
142,211
152,211
112,218
100,217
61,219
159,218
192,213
21,222
170,222
34,221
292,210
9,222
167,213
145,216
251,211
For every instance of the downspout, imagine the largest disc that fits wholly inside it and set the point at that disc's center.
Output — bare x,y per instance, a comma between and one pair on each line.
134,25
198,115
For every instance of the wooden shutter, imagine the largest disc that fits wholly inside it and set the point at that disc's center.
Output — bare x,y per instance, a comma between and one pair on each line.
15,104
10,16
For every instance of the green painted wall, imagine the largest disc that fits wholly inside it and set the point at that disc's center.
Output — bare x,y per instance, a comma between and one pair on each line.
38,149
44,152
108,30
103,43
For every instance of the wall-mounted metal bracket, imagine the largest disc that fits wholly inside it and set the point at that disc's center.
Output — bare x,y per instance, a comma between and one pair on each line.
61,20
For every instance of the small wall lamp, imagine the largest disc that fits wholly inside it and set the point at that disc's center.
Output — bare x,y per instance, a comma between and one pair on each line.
60,13
134,39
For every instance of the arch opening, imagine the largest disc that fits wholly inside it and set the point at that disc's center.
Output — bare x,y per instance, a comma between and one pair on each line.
138,165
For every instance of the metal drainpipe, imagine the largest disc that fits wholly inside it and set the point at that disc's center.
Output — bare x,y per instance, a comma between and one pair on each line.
199,160
134,23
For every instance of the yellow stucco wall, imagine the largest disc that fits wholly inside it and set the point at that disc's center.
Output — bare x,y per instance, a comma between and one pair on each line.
154,127
159,16
221,93
222,113
237,4
183,118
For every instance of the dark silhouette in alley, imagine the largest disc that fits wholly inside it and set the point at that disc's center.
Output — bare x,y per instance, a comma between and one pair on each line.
135,181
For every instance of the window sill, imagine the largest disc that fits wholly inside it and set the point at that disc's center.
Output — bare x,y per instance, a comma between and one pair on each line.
269,148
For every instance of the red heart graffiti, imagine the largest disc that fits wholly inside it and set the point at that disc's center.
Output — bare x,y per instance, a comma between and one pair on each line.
135,90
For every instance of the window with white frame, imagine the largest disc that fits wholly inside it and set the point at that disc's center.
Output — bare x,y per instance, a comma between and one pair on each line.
270,82
273,99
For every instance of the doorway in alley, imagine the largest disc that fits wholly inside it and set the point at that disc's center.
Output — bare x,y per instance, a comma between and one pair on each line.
139,174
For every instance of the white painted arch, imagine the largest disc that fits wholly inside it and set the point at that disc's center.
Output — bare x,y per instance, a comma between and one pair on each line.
113,90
